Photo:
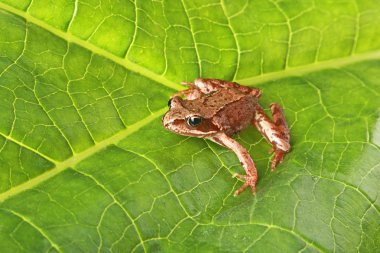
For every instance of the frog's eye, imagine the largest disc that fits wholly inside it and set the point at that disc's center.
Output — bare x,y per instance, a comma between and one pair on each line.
194,121
170,103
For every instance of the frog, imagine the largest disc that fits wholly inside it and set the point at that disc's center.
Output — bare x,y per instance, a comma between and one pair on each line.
216,110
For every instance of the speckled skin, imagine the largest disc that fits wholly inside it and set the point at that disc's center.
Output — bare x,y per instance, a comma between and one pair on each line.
226,108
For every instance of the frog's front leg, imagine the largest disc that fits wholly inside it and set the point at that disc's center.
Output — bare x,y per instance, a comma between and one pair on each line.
276,132
244,158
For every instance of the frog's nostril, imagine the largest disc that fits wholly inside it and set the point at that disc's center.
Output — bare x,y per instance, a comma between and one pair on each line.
170,103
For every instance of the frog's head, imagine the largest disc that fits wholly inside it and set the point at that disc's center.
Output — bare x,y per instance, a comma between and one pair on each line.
185,121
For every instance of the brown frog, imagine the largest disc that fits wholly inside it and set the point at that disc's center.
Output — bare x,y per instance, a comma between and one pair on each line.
216,109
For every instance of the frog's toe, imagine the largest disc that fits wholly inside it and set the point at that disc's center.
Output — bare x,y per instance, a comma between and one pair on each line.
249,181
241,189
277,159
239,176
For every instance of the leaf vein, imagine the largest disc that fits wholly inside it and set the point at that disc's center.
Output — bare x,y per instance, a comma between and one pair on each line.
76,158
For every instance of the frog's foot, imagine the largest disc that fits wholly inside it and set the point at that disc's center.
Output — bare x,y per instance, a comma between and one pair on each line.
277,159
250,180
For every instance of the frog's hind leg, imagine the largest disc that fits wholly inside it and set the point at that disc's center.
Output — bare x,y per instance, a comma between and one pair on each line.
207,86
276,132
190,94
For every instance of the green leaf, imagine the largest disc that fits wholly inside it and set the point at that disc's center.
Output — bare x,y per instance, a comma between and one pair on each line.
86,166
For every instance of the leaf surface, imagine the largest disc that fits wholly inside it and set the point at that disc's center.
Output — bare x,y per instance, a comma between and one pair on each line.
85,164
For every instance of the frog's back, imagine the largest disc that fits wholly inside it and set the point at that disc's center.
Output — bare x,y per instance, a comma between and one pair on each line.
236,114
210,104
